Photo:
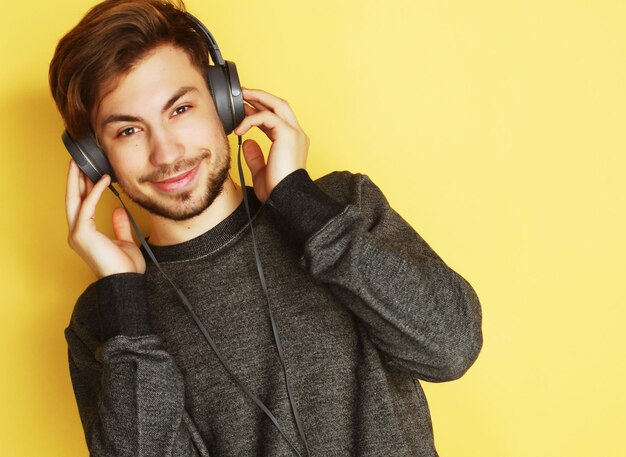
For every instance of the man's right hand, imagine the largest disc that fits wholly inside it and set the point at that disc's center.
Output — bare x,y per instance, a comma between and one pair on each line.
104,256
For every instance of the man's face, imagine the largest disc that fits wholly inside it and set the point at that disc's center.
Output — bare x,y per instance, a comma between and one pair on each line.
159,129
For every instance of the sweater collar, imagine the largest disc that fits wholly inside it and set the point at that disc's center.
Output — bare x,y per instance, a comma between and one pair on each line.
211,240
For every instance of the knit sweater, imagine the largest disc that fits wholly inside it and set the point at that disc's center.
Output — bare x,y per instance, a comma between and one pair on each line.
364,308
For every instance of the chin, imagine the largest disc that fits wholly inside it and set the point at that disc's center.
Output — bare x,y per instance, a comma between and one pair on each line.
184,205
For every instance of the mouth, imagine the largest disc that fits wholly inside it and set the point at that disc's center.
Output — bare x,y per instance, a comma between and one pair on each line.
177,182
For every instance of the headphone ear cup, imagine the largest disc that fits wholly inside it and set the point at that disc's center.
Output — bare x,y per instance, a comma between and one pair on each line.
88,156
236,93
226,92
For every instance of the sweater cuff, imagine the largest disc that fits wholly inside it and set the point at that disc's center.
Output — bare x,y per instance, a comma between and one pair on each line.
300,208
122,306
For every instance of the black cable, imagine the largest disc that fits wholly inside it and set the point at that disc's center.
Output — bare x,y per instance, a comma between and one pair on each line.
259,266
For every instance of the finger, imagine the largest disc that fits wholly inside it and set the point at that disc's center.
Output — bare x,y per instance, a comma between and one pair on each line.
254,157
88,184
255,109
88,208
250,110
257,106
268,122
81,184
72,194
121,225
264,100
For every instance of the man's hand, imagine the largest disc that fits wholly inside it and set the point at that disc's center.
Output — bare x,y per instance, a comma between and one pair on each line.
290,144
104,256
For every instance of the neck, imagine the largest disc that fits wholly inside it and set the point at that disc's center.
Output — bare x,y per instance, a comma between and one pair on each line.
167,232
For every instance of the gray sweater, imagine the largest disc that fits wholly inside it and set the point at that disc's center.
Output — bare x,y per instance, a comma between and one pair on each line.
364,308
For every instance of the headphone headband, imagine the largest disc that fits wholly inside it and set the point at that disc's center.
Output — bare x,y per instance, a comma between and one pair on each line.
222,79
214,50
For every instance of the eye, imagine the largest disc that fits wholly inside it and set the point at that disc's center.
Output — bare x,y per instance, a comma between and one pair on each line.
181,110
128,131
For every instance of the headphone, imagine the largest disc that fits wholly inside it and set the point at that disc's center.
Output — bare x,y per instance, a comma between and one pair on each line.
223,82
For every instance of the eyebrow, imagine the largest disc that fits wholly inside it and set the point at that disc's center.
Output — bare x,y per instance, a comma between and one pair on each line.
128,118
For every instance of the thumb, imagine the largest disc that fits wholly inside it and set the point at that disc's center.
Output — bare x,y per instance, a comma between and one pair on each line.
121,225
254,157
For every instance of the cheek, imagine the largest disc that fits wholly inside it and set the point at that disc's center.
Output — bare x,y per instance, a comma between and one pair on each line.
202,128
127,164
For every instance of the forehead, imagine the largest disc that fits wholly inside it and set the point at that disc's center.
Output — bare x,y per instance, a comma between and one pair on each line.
149,83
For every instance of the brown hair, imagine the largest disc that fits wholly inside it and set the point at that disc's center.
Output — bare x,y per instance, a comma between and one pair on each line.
111,38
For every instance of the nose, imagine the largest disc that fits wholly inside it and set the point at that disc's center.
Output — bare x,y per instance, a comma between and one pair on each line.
165,148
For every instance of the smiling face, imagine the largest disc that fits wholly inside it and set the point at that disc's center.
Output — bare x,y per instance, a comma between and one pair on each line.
161,133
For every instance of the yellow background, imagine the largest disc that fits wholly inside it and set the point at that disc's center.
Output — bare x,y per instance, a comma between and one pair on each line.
496,128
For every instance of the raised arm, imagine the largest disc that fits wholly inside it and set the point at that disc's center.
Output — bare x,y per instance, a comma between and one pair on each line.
129,391
423,317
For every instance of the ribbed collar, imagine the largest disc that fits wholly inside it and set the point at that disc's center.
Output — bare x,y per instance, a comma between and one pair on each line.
211,240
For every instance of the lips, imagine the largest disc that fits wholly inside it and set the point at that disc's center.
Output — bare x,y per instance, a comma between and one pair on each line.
177,182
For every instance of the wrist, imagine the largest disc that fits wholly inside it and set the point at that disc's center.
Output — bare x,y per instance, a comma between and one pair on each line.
123,307
300,208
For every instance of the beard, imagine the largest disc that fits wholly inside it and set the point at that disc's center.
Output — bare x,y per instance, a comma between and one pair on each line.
183,206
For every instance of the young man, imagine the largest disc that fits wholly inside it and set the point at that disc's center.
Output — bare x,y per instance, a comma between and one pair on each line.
362,304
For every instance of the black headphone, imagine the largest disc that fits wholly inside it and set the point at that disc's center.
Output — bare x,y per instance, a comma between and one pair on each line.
223,82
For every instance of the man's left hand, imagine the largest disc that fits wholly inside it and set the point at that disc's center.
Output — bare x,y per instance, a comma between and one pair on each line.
290,145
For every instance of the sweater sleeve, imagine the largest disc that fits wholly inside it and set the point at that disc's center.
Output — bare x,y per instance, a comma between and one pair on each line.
129,391
421,315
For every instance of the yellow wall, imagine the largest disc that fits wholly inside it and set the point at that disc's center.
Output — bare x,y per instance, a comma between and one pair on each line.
495,127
